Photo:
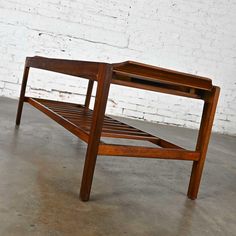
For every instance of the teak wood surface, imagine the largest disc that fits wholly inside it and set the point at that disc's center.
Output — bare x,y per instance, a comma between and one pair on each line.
92,124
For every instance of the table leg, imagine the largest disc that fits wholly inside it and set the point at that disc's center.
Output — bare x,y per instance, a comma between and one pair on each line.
22,95
104,79
89,93
203,141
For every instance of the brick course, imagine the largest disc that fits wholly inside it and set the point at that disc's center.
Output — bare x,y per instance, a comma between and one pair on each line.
197,37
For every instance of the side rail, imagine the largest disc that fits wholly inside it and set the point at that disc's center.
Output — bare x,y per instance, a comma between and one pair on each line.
84,69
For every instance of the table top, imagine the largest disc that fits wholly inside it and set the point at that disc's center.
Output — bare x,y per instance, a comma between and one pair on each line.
130,74
147,73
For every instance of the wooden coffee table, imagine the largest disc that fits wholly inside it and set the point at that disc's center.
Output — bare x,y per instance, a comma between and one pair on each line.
90,125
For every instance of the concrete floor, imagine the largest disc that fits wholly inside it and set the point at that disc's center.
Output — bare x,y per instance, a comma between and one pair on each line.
40,173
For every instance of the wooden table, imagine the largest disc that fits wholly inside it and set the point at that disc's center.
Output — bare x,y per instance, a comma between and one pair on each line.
90,125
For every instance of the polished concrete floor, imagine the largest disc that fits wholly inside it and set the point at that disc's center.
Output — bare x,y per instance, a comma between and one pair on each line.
40,173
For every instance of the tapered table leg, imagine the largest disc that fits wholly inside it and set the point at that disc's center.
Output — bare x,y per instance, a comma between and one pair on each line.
104,79
22,95
203,141
89,93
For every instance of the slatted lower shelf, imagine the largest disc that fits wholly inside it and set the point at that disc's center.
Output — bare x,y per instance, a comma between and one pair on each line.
77,119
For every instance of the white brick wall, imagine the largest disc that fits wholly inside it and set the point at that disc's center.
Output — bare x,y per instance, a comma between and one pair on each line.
195,36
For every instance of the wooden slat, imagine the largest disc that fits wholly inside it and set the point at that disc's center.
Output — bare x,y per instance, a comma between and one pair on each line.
147,152
80,118
128,136
165,144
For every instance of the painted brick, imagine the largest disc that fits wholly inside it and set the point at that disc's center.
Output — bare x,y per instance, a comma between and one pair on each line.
198,38
1,84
